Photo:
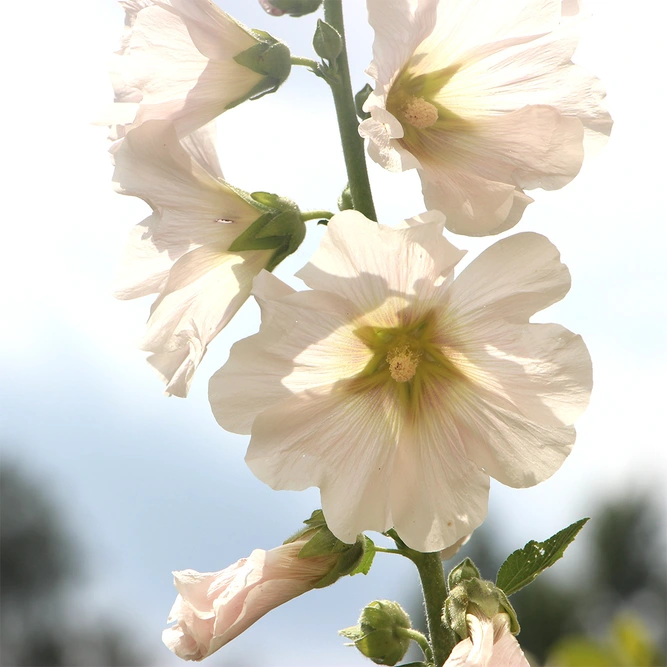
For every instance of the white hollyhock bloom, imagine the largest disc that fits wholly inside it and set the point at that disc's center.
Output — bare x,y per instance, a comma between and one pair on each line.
397,390
177,63
489,644
483,99
181,251
212,608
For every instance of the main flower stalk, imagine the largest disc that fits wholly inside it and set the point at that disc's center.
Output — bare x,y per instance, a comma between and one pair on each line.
353,144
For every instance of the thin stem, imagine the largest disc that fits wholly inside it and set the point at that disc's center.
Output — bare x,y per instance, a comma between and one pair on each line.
305,62
353,144
384,550
419,638
314,215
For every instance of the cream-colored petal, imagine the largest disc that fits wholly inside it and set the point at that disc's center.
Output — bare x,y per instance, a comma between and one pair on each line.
204,290
352,261
195,207
400,26
474,205
306,341
340,441
437,494
382,131
512,280
177,62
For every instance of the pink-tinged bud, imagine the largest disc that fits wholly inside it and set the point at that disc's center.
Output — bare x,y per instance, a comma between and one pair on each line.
214,607
270,9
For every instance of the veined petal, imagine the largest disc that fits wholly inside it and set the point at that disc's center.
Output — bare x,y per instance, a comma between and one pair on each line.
511,280
173,179
437,494
204,290
290,354
341,442
382,130
177,63
352,261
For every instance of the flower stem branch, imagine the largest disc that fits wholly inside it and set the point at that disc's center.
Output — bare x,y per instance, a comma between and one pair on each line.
419,638
314,215
305,62
353,144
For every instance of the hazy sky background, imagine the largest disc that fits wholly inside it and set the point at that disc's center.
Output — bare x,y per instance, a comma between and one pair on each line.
152,484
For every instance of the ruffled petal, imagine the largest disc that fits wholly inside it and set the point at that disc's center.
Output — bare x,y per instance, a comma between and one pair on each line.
204,290
352,261
340,441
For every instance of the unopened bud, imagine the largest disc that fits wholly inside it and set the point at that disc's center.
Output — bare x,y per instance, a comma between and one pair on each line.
292,7
381,634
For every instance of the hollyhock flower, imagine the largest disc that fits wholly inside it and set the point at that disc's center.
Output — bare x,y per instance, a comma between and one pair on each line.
180,60
181,252
214,607
489,644
483,99
398,390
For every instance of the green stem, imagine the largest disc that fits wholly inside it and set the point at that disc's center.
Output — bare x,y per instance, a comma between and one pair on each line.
432,578
314,215
434,589
353,144
419,638
384,550
305,62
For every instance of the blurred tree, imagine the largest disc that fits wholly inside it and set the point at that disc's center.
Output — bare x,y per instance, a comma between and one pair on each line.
37,558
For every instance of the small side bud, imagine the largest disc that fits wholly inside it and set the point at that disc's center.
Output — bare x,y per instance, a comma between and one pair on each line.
380,634
345,202
327,42
294,8
466,569
359,101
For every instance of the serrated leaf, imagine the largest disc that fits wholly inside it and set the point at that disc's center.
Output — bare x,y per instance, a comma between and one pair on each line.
367,559
524,565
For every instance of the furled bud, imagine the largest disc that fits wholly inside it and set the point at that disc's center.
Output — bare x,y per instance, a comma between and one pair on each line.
381,633
294,8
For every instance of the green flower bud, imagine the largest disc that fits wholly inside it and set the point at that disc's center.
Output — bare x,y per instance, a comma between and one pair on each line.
380,634
294,8
327,42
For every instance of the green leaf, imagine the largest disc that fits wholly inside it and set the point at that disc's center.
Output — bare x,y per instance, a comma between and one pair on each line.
524,565
322,543
367,560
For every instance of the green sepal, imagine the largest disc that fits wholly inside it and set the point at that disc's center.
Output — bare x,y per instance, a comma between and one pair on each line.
270,58
524,565
466,569
280,228
478,594
345,202
327,41
297,8
359,101
377,636
366,561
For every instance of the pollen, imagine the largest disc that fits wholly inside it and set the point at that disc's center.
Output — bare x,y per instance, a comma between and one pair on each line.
403,363
419,113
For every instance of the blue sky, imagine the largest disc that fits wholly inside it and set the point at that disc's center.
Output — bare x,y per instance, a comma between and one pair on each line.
152,484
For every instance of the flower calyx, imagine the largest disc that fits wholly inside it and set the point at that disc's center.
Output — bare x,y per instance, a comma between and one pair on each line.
269,57
469,593
280,228
321,542
383,633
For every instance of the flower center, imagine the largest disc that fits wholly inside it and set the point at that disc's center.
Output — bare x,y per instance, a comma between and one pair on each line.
419,113
403,363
